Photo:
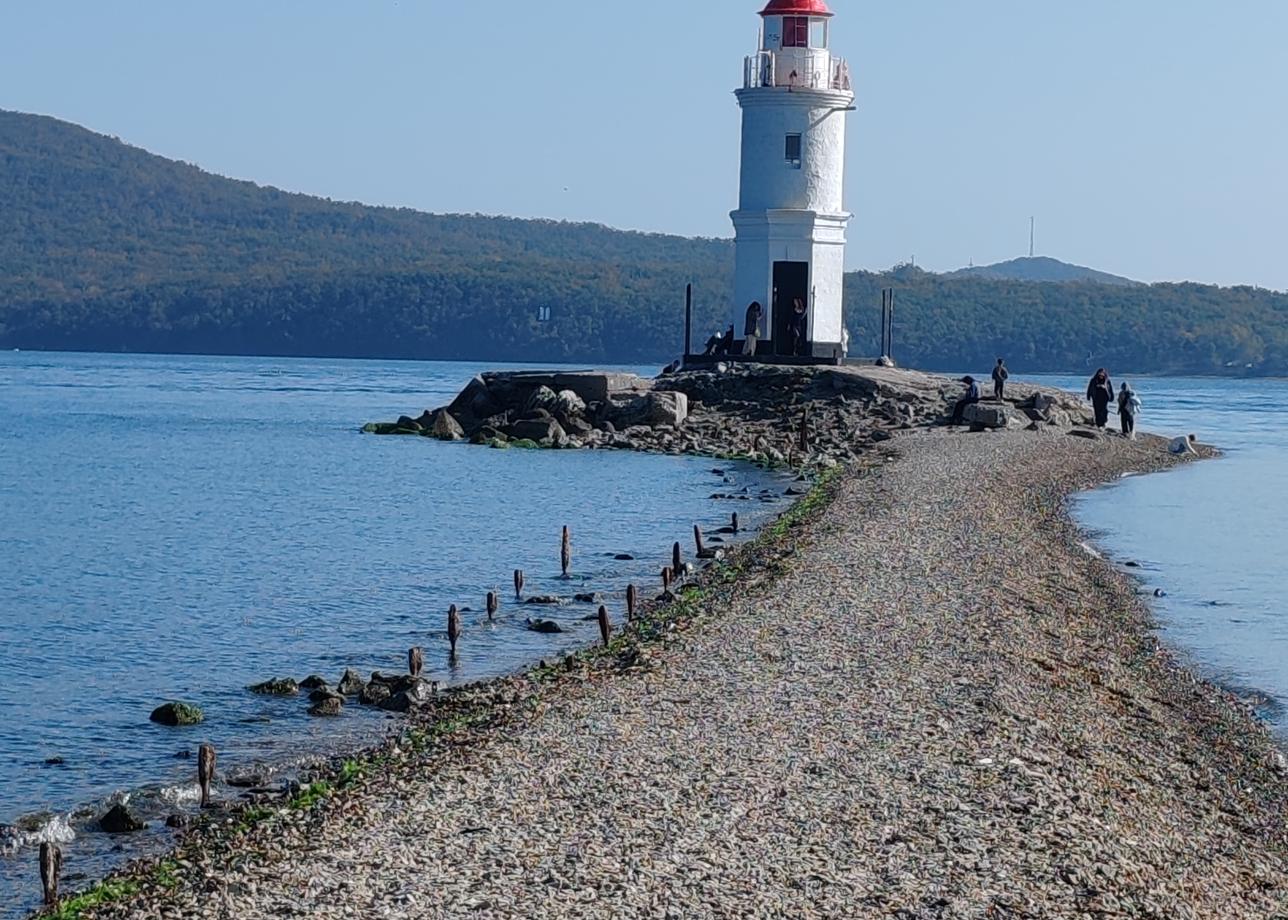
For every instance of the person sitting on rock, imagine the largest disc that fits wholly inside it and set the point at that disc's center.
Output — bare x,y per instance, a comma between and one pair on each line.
712,344
726,344
970,399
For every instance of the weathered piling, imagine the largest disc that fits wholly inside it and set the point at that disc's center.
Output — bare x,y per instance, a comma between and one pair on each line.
697,540
453,627
205,771
605,625
415,660
492,605
804,432
518,584
666,580
677,560
565,551
734,522
632,599
51,868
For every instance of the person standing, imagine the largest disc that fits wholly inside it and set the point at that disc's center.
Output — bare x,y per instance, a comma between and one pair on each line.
752,329
969,399
1101,393
1128,410
799,325
1000,376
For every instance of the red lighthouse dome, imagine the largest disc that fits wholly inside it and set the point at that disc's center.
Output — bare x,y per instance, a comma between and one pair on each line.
796,8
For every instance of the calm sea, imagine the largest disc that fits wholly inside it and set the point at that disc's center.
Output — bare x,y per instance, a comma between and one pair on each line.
181,527
1211,535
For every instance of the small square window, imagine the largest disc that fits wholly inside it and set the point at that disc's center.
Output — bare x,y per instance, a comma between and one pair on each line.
795,31
793,151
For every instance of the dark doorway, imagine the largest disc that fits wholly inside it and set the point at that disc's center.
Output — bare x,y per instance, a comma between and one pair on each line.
791,280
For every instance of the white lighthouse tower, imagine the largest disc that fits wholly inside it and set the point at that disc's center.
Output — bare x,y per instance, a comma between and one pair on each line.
790,224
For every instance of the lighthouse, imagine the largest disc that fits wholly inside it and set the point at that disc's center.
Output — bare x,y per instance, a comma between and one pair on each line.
790,224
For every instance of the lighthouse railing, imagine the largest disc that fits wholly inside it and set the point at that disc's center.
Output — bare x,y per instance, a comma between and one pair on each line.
771,69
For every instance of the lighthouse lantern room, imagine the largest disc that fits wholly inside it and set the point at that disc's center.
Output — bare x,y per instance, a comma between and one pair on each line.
790,224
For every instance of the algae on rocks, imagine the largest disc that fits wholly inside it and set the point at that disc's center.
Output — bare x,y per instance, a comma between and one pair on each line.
177,714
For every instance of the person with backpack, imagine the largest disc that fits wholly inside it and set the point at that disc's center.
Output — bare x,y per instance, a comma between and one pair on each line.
1000,376
1129,407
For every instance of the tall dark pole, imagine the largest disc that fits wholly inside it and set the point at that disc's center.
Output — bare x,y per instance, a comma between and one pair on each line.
688,319
890,347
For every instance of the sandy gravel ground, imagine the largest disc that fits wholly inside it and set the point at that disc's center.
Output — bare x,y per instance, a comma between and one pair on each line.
942,708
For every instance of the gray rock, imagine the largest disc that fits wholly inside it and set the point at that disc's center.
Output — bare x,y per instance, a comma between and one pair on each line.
350,684
328,706
548,600
542,398
374,693
543,626
313,682
283,686
568,405
417,693
986,416
445,427
546,432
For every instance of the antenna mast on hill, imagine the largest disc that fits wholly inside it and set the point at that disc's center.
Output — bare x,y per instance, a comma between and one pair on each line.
1032,228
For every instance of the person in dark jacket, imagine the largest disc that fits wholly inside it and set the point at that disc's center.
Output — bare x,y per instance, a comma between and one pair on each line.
1101,393
969,399
752,329
1000,376
1128,410
726,343
799,324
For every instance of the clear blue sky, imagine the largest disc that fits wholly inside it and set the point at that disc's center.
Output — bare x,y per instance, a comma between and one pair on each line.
1149,137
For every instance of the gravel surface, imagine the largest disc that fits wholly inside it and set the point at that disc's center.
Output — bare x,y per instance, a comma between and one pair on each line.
934,705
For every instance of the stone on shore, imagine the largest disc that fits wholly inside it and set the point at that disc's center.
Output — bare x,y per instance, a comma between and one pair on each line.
445,427
350,684
119,820
177,714
328,705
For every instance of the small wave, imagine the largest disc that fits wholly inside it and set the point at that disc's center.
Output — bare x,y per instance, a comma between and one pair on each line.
54,829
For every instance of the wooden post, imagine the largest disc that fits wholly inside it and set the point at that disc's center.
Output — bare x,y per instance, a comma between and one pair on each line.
51,868
205,771
666,580
415,661
453,627
605,625
804,432
518,584
565,551
677,560
697,540
735,522
632,599
492,605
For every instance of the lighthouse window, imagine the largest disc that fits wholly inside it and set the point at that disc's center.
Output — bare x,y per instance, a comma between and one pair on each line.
818,33
795,31
794,151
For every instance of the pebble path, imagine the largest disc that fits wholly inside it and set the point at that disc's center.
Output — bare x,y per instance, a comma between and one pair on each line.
943,709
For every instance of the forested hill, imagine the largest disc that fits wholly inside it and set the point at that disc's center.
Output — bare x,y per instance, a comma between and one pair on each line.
104,246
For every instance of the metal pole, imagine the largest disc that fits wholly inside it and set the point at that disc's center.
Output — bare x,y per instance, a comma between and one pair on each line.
688,320
890,352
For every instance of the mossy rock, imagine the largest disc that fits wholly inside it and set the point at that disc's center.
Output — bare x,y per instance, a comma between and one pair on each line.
380,428
175,714
499,444
525,444
280,687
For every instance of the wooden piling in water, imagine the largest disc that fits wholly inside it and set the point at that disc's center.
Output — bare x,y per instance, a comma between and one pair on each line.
677,560
51,869
518,584
565,551
697,540
666,580
415,660
205,771
605,625
453,627
492,604
734,522
632,599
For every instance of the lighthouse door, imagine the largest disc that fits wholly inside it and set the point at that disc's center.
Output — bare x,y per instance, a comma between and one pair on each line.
791,281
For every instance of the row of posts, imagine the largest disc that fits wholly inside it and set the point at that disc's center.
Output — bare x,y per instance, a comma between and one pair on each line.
51,855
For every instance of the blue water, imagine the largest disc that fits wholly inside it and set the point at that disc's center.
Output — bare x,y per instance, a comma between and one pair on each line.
181,527
1211,535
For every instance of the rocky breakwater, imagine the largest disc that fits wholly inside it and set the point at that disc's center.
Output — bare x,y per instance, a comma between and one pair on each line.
803,416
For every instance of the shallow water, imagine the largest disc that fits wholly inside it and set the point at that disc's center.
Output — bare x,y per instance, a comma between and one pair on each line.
1211,535
180,527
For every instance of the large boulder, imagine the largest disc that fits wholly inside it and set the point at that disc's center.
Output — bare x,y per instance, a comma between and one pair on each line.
416,693
663,407
986,416
279,687
350,683
568,405
542,398
445,427
118,820
328,706
544,431
475,401
176,714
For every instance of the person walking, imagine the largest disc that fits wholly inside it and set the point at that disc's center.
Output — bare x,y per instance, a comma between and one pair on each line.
969,399
752,328
1000,376
1101,393
1129,407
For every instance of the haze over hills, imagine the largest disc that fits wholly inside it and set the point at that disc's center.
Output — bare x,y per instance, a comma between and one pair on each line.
104,246
1039,268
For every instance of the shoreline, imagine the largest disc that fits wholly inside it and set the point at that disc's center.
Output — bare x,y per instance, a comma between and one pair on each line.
470,722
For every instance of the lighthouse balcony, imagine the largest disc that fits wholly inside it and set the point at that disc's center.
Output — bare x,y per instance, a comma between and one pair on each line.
797,69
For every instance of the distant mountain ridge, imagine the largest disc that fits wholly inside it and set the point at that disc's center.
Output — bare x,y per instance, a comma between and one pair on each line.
1040,268
106,247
